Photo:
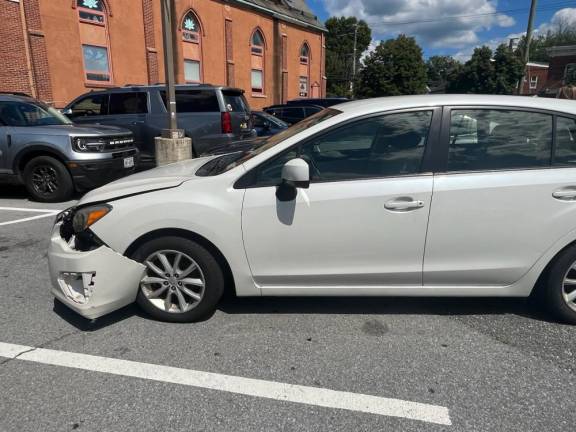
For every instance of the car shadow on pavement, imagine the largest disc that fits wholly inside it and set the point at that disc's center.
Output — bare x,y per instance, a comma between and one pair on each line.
89,325
10,191
384,306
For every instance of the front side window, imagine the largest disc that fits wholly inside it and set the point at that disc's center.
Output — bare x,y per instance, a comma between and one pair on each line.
257,50
192,47
384,146
28,114
565,152
128,103
93,105
485,139
94,38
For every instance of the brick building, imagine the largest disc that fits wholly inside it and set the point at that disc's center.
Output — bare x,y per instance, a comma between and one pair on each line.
562,63
58,49
535,78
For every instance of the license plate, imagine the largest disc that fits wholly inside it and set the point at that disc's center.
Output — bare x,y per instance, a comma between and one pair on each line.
129,162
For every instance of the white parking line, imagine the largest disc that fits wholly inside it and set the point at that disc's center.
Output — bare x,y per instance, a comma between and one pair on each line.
45,214
233,384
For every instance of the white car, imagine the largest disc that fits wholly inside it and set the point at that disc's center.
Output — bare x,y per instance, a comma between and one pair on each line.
447,195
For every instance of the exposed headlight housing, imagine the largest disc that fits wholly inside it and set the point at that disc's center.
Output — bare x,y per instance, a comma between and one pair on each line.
87,216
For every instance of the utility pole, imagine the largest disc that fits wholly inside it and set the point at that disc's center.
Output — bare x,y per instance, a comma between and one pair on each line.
172,146
353,80
527,47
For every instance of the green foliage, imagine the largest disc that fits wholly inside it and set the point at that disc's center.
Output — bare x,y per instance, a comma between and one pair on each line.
439,69
340,49
487,74
395,67
561,34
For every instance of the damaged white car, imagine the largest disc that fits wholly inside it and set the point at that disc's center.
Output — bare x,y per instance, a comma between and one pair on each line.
411,196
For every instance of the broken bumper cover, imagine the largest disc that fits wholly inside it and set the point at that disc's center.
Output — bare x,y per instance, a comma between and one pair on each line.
92,283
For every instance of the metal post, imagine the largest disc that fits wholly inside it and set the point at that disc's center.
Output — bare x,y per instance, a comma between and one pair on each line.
173,145
167,29
527,47
352,81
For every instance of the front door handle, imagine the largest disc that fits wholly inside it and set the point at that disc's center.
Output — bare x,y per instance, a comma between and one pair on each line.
403,204
567,194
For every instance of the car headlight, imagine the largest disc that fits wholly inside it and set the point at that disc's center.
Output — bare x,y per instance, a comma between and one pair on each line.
87,216
88,144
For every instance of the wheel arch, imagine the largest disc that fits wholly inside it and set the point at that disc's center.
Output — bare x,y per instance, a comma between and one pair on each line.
30,152
229,286
540,283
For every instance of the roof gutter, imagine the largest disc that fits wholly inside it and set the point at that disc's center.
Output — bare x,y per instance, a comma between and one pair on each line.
279,15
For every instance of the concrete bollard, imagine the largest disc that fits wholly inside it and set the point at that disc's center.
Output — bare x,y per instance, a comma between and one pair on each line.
172,147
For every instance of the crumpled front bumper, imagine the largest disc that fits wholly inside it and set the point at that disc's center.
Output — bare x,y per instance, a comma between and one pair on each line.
92,283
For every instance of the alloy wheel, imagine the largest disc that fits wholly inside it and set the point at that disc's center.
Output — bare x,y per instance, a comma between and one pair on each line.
569,287
173,281
45,179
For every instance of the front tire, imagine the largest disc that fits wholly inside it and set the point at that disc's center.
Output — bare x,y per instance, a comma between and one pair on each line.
48,180
183,281
560,292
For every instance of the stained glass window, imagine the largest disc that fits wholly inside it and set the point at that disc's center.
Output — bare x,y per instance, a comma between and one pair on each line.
91,4
257,43
190,27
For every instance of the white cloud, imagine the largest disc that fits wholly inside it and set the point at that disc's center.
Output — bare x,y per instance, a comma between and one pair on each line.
426,19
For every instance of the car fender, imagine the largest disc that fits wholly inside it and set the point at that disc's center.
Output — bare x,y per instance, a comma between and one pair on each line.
177,209
37,147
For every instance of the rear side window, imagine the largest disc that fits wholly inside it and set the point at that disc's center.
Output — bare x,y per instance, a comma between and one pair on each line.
565,154
128,103
485,139
312,110
234,101
93,105
194,101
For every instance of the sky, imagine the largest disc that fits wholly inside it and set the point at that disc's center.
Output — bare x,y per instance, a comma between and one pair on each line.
449,27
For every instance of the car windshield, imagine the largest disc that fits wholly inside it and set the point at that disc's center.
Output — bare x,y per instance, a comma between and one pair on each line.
16,113
228,161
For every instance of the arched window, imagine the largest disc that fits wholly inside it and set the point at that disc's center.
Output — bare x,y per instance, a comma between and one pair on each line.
192,47
93,21
257,51
304,78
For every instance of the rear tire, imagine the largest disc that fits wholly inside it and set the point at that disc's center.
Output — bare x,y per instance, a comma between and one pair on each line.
169,290
48,180
559,294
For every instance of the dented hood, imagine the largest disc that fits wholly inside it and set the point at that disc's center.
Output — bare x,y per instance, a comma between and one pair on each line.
165,177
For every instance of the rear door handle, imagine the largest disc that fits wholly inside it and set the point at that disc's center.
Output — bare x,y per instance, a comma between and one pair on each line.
567,194
403,204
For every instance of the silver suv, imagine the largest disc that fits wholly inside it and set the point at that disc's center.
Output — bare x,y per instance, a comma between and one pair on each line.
52,157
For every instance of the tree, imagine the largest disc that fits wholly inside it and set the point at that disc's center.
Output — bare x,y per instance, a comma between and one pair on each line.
340,49
395,67
477,75
508,69
439,69
487,74
562,33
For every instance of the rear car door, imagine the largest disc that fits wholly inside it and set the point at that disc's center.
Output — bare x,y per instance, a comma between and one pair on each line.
361,224
503,198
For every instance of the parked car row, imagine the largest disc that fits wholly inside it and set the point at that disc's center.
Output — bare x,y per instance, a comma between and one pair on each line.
112,132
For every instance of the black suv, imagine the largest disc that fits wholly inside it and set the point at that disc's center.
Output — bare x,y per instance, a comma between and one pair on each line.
210,115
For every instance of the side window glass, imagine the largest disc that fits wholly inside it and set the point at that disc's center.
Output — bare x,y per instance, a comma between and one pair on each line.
487,139
93,105
565,142
195,101
128,103
384,146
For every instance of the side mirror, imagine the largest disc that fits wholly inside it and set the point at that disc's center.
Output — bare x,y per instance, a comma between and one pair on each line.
67,112
296,173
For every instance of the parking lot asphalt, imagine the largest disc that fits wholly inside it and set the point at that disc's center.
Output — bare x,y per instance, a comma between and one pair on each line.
491,364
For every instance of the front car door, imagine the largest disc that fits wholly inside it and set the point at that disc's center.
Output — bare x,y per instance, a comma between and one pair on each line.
90,109
362,223
129,110
503,198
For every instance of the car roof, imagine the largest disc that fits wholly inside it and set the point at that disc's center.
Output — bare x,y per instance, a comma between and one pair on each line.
136,88
16,97
403,102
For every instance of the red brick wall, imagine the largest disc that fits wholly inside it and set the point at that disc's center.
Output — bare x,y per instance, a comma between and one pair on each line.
38,53
14,73
150,40
541,73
